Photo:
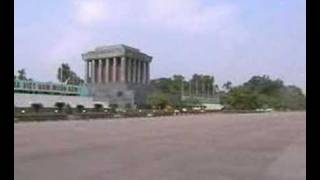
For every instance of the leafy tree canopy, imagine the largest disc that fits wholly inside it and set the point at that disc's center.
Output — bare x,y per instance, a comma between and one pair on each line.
22,75
66,75
263,92
169,90
158,99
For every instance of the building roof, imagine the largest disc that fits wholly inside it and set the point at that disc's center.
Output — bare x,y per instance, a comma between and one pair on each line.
114,51
117,46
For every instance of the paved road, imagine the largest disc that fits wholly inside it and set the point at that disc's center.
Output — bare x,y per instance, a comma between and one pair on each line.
197,147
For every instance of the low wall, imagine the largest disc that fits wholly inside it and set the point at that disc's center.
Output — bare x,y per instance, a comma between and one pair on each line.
83,116
25,100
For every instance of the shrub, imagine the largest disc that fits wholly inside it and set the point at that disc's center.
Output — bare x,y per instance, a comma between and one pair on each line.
36,107
113,107
80,108
128,106
60,105
68,109
98,107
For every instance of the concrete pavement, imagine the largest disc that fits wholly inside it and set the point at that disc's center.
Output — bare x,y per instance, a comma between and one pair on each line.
268,146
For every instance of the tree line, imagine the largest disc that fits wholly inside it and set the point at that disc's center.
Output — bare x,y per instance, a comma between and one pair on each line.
64,75
169,91
257,92
263,92
22,75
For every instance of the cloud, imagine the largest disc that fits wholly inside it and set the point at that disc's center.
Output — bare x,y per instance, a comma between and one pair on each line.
87,12
88,16
186,15
88,21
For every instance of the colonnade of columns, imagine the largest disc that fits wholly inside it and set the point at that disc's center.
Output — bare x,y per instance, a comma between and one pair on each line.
117,69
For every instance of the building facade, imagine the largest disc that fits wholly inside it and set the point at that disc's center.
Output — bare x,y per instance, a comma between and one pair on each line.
118,74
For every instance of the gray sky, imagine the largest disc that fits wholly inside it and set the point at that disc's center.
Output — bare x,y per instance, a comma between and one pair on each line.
230,39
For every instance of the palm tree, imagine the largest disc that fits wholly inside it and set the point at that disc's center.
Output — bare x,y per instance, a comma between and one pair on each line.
67,76
195,83
211,84
190,87
178,81
207,81
22,74
63,73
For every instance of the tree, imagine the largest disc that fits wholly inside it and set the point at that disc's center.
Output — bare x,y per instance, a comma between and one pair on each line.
178,83
22,74
201,85
172,86
293,98
241,98
263,92
227,85
178,78
66,75
158,99
172,89
191,102
162,84
74,79
63,73
216,88
195,82
207,84
211,89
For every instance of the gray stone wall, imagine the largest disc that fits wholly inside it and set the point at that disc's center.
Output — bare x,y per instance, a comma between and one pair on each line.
120,93
119,74
25,100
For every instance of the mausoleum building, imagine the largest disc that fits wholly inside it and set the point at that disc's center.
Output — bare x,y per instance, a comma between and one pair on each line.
118,74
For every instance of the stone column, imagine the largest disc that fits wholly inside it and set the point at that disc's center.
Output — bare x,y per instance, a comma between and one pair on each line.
129,70
138,71
102,71
142,72
93,71
133,68
144,80
123,69
87,71
106,71
114,70
148,72
99,71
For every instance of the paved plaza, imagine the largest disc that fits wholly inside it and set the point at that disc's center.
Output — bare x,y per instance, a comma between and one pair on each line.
269,146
